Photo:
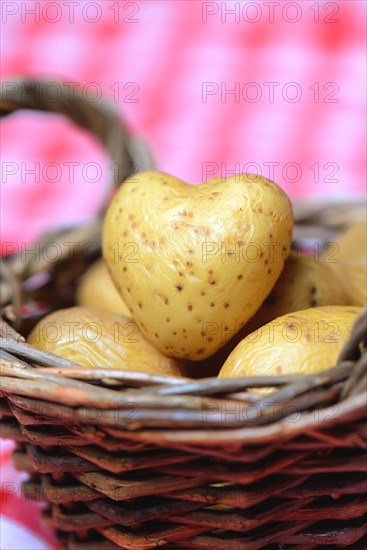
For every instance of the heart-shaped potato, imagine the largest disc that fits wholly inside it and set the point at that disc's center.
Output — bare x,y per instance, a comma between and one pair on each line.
194,263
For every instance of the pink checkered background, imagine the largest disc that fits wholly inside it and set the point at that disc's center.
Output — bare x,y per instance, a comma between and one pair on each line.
276,88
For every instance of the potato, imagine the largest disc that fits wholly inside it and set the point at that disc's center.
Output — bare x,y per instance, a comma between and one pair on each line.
189,260
99,339
303,283
96,288
303,342
350,267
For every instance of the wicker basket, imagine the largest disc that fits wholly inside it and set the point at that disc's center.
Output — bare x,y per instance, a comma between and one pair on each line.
127,460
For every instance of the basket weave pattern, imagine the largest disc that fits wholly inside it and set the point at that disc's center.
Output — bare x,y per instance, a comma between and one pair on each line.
135,461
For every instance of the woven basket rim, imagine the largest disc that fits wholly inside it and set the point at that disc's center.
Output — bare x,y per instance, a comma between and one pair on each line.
192,410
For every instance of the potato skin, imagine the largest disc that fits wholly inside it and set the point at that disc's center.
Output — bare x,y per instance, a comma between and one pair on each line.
303,283
191,258
99,339
97,289
351,262
302,342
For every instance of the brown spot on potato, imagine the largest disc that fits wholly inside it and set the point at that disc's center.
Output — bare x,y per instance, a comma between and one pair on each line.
212,282
240,277
189,307
166,301
125,233
269,270
140,305
168,320
202,293
131,216
212,304
200,351
156,335
226,305
180,274
271,299
179,287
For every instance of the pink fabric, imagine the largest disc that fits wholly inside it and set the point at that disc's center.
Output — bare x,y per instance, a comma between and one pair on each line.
296,112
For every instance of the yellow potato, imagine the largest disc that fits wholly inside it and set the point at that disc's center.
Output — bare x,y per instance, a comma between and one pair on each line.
96,289
348,259
191,260
303,342
99,339
303,283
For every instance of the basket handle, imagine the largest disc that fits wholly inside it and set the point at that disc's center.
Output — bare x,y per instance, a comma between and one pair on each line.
128,154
